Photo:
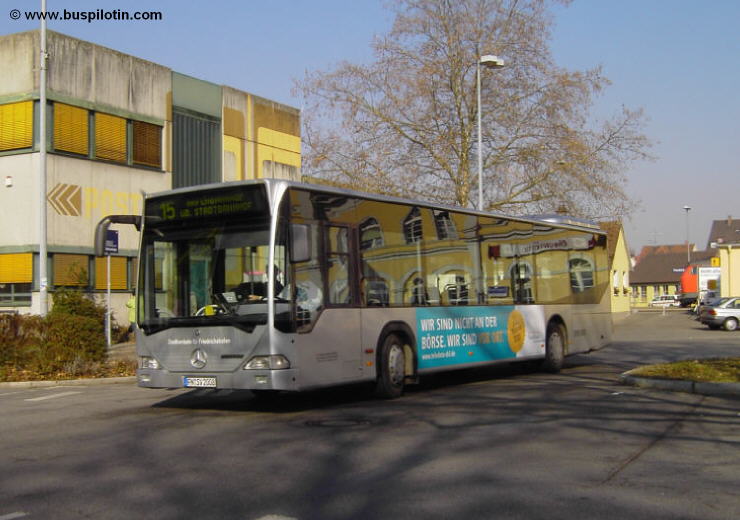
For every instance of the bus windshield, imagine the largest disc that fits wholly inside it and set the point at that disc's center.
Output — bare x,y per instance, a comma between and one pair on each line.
212,274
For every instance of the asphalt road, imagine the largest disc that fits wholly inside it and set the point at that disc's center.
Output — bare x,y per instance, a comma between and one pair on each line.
496,443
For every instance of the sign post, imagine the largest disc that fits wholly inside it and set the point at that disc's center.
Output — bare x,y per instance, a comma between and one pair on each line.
111,246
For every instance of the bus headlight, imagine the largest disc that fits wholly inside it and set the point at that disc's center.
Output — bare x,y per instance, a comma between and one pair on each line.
267,363
146,362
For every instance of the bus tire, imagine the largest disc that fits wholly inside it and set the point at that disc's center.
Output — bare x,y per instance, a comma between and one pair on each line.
554,349
391,366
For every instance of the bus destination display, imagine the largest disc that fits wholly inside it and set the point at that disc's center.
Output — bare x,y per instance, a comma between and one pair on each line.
194,206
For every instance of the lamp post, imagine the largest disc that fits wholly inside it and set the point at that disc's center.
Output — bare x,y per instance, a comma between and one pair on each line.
688,247
42,231
492,62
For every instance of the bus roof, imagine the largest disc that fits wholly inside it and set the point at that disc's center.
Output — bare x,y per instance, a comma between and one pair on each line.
556,220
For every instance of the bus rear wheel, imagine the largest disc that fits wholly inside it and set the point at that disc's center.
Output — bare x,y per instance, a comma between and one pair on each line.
554,349
391,366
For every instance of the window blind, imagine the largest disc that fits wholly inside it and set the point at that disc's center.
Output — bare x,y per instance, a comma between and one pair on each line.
70,129
16,125
110,137
147,144
16,268
118,273
70,270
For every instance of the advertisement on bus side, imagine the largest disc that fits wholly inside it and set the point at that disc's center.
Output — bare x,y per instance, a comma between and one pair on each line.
449,336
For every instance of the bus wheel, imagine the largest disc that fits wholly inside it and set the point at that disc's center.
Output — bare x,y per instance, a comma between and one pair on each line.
554,349
391,363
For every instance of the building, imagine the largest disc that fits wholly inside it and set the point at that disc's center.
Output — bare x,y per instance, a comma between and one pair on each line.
707,271
723,232
724,242
656,274
621,265
117,126
729,261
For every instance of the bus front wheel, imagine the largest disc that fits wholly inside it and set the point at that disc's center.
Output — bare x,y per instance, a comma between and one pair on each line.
554,348
391,365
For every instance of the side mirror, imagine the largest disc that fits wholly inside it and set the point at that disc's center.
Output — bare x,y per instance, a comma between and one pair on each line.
300,243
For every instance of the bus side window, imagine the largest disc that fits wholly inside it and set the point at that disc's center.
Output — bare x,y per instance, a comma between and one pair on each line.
309,294
338,265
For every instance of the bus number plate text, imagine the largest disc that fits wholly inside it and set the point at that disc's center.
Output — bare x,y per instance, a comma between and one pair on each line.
199,382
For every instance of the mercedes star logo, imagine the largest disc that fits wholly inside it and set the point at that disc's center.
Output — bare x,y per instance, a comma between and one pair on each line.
198,358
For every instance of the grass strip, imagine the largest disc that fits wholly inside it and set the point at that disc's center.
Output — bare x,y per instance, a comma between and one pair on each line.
724,370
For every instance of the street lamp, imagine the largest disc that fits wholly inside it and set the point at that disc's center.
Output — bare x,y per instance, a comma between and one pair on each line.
688,247
492,62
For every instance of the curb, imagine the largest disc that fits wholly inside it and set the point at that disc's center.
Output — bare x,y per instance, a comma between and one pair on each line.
70,382
676,385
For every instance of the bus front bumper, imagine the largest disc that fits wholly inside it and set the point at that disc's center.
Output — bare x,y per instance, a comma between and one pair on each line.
285,379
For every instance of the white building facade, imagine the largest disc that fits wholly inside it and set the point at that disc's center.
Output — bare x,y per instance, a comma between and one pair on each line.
117,127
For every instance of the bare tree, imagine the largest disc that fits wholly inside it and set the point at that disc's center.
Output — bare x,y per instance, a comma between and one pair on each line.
406,124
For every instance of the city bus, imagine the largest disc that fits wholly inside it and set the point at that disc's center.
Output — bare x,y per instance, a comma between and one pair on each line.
271,285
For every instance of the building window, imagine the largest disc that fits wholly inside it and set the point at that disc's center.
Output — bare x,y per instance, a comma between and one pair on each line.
147,146
118,273
70,129
412,231
370,234
71,270
16,276
445,226
581,274
110,138
16,126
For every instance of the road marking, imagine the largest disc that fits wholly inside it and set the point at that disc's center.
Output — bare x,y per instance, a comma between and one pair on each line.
52,396
11,516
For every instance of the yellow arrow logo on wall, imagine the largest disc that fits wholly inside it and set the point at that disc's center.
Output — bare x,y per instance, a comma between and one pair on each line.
66,199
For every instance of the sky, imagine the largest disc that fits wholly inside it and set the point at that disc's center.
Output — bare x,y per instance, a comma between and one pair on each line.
679,60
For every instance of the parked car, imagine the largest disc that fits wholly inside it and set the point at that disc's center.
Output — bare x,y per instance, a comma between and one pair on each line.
706,299
725,314
666,300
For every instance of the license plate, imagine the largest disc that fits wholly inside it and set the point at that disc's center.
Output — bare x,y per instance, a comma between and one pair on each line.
199,382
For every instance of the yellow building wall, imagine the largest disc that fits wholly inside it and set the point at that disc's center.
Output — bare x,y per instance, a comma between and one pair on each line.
729,261
620,270
274,149
653,291
261,138
233,159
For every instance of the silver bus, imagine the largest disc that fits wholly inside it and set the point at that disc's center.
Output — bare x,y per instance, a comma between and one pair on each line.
271,285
